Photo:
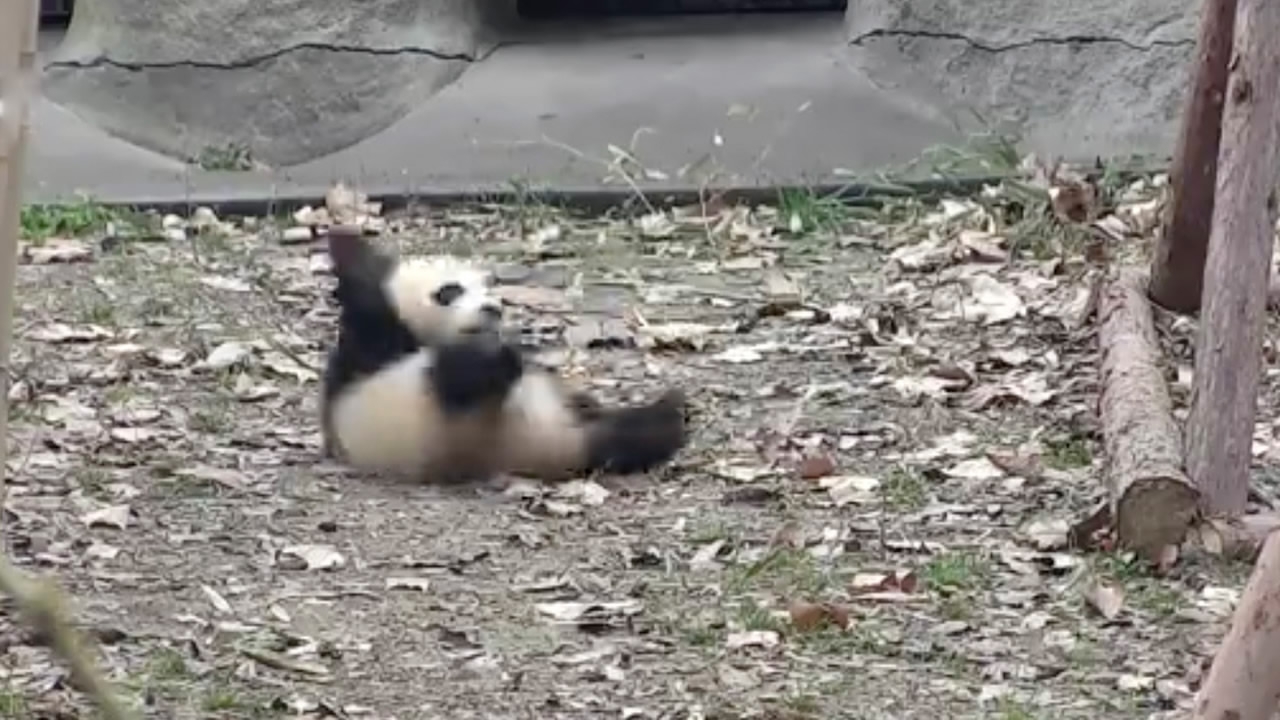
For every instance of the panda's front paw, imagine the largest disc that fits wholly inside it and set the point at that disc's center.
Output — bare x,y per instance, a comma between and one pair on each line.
478,372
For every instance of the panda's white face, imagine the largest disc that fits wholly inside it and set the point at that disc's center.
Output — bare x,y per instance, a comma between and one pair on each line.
442,297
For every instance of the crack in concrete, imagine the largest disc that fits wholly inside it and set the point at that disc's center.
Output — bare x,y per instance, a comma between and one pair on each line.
1064,40
104,61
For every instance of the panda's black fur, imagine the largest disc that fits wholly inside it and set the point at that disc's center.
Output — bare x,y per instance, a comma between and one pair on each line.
421,384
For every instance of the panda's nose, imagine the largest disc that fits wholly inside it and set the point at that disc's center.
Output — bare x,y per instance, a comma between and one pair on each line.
491,312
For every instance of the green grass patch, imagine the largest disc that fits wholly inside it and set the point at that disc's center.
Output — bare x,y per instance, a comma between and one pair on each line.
1068,452
233,157
13,704
795,573
957,572
902,489
40,222
804,211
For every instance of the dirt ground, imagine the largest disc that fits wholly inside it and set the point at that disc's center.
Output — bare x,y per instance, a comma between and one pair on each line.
893,426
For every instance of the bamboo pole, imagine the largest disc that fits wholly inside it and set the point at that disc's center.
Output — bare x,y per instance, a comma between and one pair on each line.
18,33
39,601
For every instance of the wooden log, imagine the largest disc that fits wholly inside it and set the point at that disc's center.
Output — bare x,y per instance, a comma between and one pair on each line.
1177,268
1153,502
1229,345
1244,679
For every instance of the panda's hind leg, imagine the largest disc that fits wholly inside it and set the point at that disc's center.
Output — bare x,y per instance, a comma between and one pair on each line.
474,372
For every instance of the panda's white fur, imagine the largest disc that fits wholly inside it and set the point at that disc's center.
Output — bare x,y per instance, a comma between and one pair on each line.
391,422
410,285
427,389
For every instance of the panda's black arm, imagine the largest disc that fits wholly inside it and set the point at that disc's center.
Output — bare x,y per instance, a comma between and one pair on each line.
474,372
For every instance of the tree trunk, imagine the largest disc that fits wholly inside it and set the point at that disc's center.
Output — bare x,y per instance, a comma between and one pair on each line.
1244,680
1152,500
1177,270
1229,347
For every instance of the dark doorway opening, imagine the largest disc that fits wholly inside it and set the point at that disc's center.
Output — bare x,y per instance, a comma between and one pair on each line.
56,13
564,9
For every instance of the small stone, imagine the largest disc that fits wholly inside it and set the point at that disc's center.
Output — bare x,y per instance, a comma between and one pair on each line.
204,217
296,235
816,466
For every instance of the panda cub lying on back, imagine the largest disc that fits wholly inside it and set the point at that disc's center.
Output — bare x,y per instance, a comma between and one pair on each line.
422,385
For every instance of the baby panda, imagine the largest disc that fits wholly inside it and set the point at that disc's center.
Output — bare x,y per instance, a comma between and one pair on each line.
422,385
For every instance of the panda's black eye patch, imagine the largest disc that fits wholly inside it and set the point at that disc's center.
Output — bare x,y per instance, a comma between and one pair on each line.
446,294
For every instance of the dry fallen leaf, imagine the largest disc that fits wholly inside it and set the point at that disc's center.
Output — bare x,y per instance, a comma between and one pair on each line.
408,583
791,535
807,616
226,355
979,468
914,388
705,557
316,557
1108,600
656,225
101,551
1074,201
218,282
815,466
57,333
845,489
752,638
219,603
739,355
675,336
1047,534
57,250
865,583
116,516
982,246
781,290
589,613
587,492
991,302
923,256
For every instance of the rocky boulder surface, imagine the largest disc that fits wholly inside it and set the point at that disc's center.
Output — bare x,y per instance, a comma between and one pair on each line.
1074,78
280,81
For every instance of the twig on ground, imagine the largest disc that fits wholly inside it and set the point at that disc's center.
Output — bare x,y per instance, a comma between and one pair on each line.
41,603
281,662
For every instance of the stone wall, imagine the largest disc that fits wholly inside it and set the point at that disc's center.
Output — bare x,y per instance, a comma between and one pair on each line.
1076,78
288,80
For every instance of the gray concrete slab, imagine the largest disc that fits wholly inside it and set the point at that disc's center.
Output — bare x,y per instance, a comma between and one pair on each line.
776,92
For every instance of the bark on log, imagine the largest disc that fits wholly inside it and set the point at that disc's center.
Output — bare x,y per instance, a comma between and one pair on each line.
1229,346
1177,269
1238,538
1242,681
1153,502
